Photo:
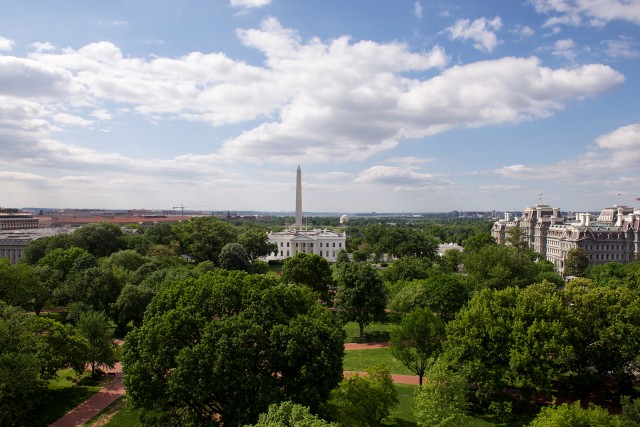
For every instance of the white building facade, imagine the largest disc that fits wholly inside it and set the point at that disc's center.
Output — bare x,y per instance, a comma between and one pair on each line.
325,243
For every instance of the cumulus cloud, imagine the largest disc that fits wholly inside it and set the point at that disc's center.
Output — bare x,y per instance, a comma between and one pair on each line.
565,48
6,44
613,153
249,4
311,100
401,179
588,12
480,31
410,161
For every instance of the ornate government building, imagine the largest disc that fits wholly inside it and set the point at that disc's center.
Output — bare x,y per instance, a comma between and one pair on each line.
614,236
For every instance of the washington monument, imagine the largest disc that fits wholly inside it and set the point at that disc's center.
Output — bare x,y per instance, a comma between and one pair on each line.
298,222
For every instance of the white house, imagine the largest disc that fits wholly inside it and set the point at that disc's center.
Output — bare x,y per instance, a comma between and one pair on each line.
325,243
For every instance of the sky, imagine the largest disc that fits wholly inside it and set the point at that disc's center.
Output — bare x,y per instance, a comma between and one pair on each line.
387,105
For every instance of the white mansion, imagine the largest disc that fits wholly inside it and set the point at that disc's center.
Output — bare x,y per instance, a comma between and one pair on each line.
325,243
614,236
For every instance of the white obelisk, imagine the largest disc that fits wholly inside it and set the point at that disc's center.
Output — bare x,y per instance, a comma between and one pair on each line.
298,222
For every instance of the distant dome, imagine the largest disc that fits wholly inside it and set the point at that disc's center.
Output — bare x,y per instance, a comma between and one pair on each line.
344,219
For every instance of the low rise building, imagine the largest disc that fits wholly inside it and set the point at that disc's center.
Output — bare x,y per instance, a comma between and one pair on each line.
613,236
325,243
15,219
13,242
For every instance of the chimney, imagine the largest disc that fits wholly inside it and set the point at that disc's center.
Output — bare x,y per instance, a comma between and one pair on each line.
555,212
507,216
581,218
587,219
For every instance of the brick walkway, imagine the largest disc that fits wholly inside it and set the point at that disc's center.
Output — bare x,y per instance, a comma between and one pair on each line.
399,379
96,403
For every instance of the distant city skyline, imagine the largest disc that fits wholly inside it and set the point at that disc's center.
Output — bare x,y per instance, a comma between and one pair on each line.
404,106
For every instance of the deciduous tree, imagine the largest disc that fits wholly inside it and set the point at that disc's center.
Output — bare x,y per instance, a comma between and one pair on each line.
311,270
361,297
417,341
227,345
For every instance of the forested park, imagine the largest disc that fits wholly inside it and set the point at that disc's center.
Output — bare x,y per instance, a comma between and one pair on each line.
209,334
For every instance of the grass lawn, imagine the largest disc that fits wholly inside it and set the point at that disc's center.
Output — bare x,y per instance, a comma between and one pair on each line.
125,417
361,360
402,415
63,395
374,332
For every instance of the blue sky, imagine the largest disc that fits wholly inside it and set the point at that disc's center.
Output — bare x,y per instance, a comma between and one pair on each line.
387,105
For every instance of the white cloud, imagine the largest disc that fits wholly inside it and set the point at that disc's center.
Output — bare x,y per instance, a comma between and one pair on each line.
71,120
6,44
565,48
614,153
312,101
400,178
249,4
480,32
21,176
524,31
623,47
43,47
410,161
417,10
590,12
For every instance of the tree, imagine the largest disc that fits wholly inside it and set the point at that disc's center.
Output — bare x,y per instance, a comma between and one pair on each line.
497,267
366,400
576,263
515,337
100,239
226,345
68,260
161,233
417,341
342,258
406,268
202,238
132,303
289,414
361,297
96,329
256,243
478,241
572,415
20,381
441,401
98,287
515,238
128,259
233,256
311,270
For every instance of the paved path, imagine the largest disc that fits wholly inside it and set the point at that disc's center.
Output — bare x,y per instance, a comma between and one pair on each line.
96,403
399,379
365,345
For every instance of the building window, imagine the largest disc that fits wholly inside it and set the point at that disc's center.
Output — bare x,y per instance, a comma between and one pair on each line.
287,253
281,244
340,244
320,253
334,244
287,244
281,253
334,254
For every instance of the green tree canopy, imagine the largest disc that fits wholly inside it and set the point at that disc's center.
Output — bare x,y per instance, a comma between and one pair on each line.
441,400
576,263
417,341
288,414
228,345
365,400
361,297
233,256
256,243
311,270
498,267
572,415
203,238
95,327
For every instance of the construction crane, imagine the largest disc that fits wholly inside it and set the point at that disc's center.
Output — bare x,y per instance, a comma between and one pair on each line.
181,207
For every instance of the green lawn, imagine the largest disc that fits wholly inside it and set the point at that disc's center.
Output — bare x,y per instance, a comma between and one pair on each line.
125,417
402,415
361,360
63,395
375,332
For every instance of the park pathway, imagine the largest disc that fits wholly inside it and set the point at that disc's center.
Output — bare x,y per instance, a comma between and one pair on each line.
398,379
96,403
